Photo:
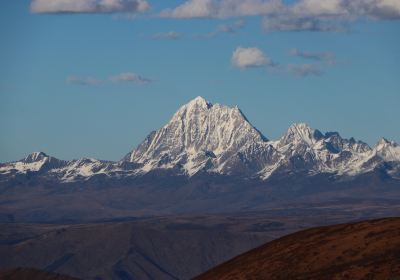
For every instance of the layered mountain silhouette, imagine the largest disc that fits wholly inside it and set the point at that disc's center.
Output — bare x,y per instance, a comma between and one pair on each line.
219,140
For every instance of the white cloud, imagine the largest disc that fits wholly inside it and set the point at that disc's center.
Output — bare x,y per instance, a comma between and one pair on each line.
234,8
192,9
223,8
312,15
83,81
345,9
385,9
171,35
327,8
130,78
89,6
249,57
303,15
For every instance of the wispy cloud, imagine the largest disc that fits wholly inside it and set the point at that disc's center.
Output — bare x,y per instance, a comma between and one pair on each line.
244,58
250,57
171,35
303,15
89,6
129,77
294,23
326,57
83,81
230,28
304,70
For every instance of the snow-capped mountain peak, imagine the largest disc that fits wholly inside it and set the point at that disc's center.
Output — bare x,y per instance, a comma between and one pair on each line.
31,163
384,143
199,101
35,156
301,132
199,135
387,150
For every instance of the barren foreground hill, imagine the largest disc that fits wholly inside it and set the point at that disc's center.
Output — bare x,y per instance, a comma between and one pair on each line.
363,250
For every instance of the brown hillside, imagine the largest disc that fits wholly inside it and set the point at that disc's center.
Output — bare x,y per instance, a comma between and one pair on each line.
363,250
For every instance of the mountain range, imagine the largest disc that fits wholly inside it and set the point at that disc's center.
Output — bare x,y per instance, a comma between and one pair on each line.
205,138
202,189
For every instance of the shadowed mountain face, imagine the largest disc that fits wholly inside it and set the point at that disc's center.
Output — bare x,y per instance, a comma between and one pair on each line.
32,274
364,250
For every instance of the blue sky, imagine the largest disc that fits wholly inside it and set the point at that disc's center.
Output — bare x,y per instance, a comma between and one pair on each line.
95,83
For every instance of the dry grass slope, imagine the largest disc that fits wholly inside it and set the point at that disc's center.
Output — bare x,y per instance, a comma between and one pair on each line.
363,250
